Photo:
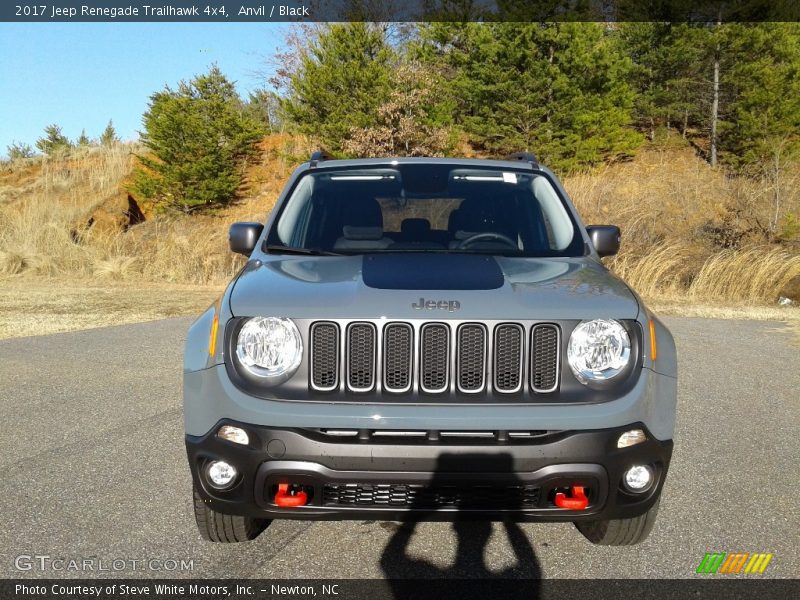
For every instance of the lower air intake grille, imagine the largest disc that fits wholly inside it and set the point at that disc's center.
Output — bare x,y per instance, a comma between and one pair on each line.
325,356
434,357
397,352
508,358
361,357
424,496
544,358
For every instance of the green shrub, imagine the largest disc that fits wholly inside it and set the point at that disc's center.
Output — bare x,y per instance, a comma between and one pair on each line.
198,137
54,141
109,135
18,150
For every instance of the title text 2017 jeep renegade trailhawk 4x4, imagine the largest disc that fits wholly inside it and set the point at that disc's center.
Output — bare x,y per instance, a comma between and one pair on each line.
428,338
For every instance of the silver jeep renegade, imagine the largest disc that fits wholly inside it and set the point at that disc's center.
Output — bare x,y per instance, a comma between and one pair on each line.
424,338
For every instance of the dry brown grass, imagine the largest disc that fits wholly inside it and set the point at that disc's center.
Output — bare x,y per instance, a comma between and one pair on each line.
668,195
37,215
690,231
676,214
40,214
39,306
755,275
76,179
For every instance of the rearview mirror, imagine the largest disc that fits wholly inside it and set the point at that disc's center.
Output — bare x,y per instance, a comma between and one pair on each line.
605,239
243,236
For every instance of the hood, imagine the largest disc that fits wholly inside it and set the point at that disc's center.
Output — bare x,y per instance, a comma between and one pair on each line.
431,287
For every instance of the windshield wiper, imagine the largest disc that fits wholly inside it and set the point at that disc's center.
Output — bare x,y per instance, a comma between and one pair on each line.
278,249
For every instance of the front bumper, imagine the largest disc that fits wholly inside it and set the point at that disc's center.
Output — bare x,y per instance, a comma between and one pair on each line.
440,479
209,394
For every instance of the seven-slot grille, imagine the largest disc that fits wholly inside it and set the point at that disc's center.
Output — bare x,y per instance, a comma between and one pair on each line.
422,359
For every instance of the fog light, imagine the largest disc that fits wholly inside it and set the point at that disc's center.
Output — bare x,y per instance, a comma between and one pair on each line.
638,478
220,474
631,438
237,435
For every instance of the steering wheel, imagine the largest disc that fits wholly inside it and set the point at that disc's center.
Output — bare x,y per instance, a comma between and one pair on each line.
489,235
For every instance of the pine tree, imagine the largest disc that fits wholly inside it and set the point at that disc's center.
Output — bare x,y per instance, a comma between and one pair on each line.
763,114
341,76
662,77
264,106
761,132
558,90
54,141
732,87
83,140
198,136
109,135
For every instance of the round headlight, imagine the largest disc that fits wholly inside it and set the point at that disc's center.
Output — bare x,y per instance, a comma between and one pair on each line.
269,347
598,350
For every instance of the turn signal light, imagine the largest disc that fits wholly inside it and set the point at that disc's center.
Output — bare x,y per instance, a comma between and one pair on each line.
631,438
212,339
653,345
237,435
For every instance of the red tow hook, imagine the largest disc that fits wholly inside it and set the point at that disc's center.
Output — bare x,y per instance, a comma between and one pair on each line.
285,500
578,501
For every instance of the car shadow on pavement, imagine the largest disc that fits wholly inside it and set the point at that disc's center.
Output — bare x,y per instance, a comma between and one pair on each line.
472,533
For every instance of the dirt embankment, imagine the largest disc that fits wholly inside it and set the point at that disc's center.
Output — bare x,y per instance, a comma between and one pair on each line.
691,234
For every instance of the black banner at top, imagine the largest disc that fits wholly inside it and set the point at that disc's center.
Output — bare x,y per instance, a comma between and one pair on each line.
255,11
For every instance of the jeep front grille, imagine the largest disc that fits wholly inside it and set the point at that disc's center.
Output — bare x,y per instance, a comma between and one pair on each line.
325,356
508,357
471,357
544,358
434,358
361,357
398,339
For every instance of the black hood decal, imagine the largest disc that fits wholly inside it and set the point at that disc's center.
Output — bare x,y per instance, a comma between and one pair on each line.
429,271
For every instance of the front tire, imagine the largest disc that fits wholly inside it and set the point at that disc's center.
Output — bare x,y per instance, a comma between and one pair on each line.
227,529
619,532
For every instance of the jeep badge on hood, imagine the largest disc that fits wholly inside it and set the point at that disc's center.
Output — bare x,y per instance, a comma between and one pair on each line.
448,305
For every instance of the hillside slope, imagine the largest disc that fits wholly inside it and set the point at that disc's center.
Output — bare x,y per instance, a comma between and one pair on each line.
688,230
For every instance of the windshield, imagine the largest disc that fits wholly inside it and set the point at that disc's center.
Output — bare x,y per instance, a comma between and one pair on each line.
425,208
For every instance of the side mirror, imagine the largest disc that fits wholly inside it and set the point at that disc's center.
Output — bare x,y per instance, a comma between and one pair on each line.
242,237
605,239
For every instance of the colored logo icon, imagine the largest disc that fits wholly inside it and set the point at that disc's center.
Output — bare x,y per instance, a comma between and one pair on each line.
734,562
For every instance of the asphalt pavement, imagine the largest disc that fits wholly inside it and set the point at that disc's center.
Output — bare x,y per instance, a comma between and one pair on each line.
93,469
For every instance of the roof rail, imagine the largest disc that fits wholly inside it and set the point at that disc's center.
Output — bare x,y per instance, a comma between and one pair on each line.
318,156
526,156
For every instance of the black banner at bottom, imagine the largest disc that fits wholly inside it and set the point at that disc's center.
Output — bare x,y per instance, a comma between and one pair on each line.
401,589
